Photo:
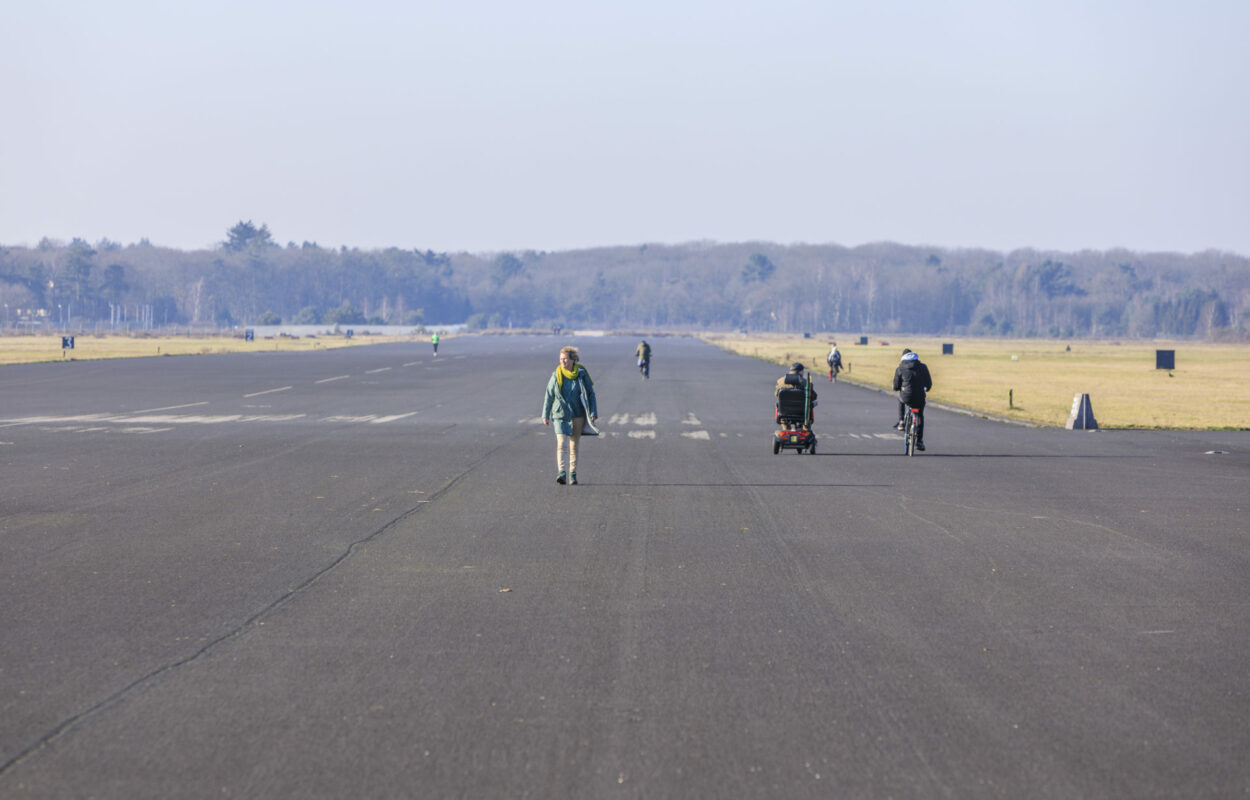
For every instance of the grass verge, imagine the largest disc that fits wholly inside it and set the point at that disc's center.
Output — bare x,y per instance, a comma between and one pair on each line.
34,349
1035,380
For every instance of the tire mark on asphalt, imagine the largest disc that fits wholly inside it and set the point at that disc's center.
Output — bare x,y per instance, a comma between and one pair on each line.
74,721
905,503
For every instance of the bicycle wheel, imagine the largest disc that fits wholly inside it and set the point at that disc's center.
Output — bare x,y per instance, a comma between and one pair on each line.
910,445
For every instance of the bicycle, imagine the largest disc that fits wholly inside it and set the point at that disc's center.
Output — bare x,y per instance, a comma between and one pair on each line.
911,423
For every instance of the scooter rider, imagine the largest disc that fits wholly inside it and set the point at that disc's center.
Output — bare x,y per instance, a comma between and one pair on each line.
797,369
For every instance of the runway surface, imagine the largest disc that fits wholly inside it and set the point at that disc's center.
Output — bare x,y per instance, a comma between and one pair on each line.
351,574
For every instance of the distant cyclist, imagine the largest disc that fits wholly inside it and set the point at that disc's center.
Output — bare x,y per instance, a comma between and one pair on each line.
834,360
912,382
644,358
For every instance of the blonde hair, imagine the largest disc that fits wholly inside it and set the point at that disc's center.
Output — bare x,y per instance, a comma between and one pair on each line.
569,351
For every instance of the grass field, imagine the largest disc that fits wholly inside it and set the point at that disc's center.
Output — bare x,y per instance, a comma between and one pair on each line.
31,349
1210,387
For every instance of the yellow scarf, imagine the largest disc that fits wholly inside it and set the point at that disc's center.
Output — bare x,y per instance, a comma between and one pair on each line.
563,374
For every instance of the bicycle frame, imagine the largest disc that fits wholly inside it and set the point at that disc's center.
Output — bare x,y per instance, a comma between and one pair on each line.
909,431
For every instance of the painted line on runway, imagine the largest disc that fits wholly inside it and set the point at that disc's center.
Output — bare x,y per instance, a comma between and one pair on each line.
215,419
172,408
392,418
150,419
641,434
375,371
269,391
335,378
8,423
697,435
691,419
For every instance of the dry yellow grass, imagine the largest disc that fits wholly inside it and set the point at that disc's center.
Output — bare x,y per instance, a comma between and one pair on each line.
1210,387
31,349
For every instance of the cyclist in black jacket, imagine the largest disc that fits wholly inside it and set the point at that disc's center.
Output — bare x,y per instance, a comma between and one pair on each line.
912,382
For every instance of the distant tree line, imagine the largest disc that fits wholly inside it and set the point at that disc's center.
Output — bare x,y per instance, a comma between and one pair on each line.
250,279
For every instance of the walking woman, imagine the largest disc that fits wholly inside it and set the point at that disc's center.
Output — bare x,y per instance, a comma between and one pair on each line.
570,398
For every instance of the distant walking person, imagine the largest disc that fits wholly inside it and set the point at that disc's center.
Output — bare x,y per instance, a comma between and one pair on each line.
569,402
434,341
912,382
644,358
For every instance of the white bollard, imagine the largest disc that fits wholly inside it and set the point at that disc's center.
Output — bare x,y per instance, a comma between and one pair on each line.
1082,417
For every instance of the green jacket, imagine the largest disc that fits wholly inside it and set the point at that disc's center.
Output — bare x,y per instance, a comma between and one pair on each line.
565,400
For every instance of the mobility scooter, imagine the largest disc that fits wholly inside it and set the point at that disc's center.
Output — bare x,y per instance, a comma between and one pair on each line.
794,417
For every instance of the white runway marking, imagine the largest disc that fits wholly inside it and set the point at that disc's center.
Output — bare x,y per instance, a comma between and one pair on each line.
646,419
697,435
144,423
618,419
642,434
335,378
172,408
179,419
52,420
691,419
374,371
391,418
269,391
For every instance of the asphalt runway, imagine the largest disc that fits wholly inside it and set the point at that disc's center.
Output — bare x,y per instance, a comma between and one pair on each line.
351,574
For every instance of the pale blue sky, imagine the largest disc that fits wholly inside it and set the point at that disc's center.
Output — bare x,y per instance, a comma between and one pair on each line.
549,125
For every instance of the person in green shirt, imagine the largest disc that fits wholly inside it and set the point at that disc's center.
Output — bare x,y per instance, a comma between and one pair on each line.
434,341
644,358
